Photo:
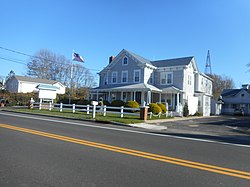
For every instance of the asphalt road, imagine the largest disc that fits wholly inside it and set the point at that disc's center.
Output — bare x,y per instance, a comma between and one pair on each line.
60,152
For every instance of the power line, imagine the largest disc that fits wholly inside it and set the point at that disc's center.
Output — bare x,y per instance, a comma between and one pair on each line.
13,61
32,56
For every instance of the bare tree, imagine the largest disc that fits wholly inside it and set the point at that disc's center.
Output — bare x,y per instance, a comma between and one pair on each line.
48,65
220,83
82,77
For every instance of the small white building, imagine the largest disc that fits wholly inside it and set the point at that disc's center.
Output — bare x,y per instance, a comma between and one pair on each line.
22,84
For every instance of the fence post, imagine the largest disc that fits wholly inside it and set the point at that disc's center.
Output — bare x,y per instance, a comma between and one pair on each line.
104,110
144,112
94,103
122,107
61,107
40,104
87,109
50,106
74,108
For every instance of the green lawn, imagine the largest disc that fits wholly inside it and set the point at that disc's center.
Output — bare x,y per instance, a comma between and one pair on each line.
127,119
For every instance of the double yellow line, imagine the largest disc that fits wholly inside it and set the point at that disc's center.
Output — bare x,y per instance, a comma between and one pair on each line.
166,159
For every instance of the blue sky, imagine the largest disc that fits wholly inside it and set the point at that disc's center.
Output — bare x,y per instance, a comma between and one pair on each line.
154,29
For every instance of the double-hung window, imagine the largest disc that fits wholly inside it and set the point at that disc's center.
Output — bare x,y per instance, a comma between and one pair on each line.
114,77
137,74
105,80
166,77
189,80
124,77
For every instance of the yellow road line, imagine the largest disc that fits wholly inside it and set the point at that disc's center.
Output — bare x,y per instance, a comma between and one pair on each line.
162,158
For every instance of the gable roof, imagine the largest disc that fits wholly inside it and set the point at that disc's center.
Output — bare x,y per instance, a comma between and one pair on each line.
232,92
184,61
30,79
173,62
139,58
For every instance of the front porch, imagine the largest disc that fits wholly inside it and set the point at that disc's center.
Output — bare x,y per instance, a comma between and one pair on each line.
144,94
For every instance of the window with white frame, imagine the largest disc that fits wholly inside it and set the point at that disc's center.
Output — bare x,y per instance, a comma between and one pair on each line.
105,79
169,78
189,80
137,74
114,77
125,61
166,77
151,78
124,77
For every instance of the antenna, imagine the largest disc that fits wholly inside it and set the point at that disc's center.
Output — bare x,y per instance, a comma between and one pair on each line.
208,69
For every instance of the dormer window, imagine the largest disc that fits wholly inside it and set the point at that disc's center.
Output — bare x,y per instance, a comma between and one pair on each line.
125,61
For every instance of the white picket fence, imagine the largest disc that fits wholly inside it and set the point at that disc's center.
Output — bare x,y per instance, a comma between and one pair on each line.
103,110
89,109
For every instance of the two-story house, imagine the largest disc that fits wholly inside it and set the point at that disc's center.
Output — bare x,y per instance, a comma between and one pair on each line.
129,76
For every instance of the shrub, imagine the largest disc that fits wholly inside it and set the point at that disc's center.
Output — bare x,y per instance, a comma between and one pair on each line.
154,108
132,104
83,102
117,103
20,99
185,110
198,114
163,107
105,102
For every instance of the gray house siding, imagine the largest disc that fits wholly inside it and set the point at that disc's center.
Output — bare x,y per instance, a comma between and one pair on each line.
118,67
177,79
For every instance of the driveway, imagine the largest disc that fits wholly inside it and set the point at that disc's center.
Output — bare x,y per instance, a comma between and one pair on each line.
233,129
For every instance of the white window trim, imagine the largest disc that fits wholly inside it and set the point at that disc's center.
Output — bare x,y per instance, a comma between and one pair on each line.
105,79
190,80
126,77
123,61
165,74
139,71
151,78
114,72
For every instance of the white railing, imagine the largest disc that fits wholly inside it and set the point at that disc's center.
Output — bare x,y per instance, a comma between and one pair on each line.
104,110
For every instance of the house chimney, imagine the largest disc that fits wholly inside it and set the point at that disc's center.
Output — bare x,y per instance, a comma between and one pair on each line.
111,58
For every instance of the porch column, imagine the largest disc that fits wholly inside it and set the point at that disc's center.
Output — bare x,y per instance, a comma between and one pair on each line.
109,97
131,96
121,95
178,102
160,98
173,101
142,97
134,96
97,96
148,97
